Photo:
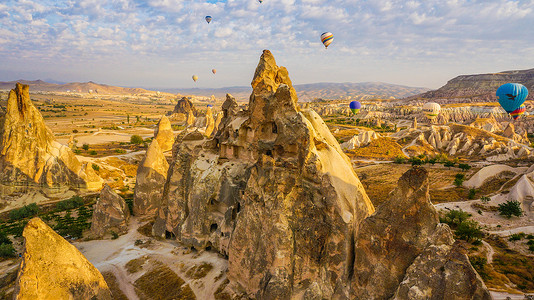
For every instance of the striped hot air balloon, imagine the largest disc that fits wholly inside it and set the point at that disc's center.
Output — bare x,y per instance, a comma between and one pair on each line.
327,38
518,112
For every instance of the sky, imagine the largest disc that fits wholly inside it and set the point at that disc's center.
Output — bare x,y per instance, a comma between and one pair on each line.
162,43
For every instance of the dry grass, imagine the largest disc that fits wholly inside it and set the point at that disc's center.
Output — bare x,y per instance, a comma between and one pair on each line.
381,148
344,135
199,271
128,169
162,283
111,280
135,265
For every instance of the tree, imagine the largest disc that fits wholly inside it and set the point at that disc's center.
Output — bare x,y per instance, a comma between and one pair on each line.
469,230
128,118
399,159
449,164
135,139
455,217
485,199
464,167
459,179
85,147
510,208
472,194
7,250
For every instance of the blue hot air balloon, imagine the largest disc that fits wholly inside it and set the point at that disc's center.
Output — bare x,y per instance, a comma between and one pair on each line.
208,19
355,107
511,96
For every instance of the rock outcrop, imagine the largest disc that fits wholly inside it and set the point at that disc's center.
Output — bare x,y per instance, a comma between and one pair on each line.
184,106
360,140
111,214
29,154
163,134
190,121
404,240
210,122
455,139
52,268
273,191
151,177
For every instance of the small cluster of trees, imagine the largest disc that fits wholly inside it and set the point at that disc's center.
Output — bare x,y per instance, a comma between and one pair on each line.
464,228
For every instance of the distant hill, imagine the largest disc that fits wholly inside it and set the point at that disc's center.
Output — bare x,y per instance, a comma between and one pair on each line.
80,87
481,87
306,92
324,90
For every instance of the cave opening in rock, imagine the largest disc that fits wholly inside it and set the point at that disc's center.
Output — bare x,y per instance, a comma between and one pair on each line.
169,235
213,227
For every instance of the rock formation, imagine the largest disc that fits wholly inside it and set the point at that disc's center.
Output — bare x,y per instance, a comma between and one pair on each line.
163,134
151,176
210,122
404,240
360,140
275,194
111,214
273,191
217,122
29,154
52,268
481,87
184,106
457,139
190,119
414,124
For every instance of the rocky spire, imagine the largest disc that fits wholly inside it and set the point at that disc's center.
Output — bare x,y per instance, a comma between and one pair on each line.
30,155
210,122
163,134
151,176
111,214
52,268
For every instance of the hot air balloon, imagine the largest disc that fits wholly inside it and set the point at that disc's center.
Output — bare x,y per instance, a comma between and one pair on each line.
518,112
213,71
431,110
260,1
512,96
355,107
208,19
327,39
195,78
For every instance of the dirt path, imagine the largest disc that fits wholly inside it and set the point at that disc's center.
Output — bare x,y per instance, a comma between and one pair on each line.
112,255
489,255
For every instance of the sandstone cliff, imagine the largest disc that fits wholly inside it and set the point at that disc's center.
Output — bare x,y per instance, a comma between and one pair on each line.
151,176
52,268
482,86
111,214
29,153
163,134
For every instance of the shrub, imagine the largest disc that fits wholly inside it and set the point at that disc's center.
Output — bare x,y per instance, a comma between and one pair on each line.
464,167
77,151
531,248
479,262
510,208
469,230
416,161
472,194
75,131
71,203
114,235
485,199
26,211
135,139
85,147
455,217
399,159
96,167
120,151
7,250
93,152
4,239
432,161
459,179
448,164
530,242
516,236
530,237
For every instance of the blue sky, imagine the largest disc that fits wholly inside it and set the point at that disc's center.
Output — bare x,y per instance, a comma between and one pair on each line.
162,43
